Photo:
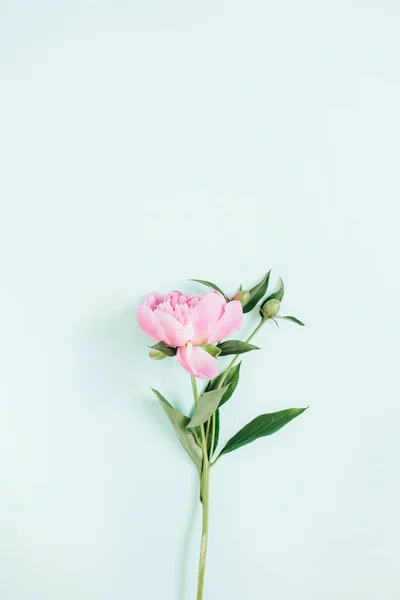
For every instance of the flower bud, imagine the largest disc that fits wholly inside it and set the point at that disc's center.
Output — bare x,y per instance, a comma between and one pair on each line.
243,296
157,355
272,307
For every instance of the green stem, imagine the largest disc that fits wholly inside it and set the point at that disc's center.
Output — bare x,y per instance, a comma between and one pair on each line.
205,472
205,491
212,436
208,428
204,495
234,359
196,400
231,364
195,390
257,329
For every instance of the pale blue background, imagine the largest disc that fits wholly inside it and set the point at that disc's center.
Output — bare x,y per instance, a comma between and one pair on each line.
143,143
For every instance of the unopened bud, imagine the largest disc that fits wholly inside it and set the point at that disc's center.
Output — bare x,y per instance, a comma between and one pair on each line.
272,307
243,296
157,355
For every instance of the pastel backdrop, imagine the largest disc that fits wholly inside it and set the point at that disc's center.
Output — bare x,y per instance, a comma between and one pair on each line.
145,143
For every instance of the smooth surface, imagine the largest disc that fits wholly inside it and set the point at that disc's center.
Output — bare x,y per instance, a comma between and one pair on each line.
144,143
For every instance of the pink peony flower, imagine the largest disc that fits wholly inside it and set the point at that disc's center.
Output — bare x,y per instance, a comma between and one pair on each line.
189,322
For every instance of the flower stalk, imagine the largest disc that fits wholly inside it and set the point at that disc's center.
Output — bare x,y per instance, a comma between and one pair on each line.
205,499
207,464
193,330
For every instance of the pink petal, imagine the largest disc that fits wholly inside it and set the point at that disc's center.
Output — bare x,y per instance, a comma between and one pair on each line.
231,320
176,333
154,299
176,297
198,362
149,322
205,315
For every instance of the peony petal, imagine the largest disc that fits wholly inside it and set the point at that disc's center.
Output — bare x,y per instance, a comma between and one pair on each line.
176,297
198,362
231,320
205,315
149,323
176,333
154,299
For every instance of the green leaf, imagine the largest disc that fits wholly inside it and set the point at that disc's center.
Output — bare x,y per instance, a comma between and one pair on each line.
216,436
232,378
260,427
279,292
256,293
213,350
211,285
235,347
167,350
157,355
185,436
207,405
293,319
